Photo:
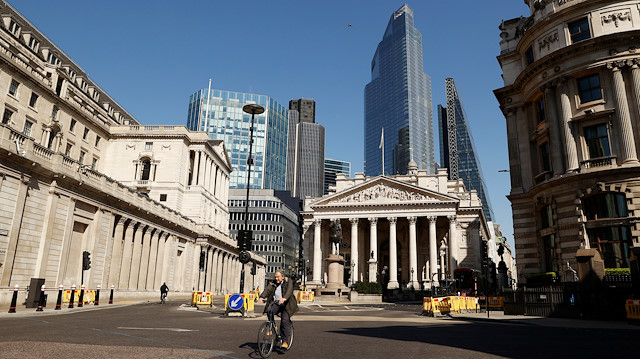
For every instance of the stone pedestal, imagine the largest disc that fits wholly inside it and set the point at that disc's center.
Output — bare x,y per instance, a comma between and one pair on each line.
373,270
335,263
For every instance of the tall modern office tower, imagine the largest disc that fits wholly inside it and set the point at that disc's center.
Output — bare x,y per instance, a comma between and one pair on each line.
219,113
457,151
305,151
331,170
306,108
398,99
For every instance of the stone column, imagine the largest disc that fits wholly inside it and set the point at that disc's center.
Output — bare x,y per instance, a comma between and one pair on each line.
433,250
218,274
116,254
555,141
144,260
153,254
627,144
571,155
196,168
453,245
513,147
443,253
635,73
354,250
393,254
135,258
162,245
208,280
317,252
373,246
413,255
126,256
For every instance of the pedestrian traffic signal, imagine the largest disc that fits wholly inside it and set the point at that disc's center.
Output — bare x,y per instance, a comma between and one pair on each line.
244,239
86,260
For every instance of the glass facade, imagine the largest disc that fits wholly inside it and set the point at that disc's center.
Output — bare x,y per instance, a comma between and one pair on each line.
331,170
219,113
398,99
457,150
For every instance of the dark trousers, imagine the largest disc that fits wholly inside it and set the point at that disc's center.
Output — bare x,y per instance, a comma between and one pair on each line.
285,322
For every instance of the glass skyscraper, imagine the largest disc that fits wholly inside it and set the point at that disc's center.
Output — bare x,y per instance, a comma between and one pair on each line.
219,113
457,151
398,99
331,170
305,152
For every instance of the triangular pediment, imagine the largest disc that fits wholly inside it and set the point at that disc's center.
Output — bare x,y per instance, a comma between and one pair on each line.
384,190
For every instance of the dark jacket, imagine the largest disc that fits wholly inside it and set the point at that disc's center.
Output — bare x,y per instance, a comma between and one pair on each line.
164,289
291,305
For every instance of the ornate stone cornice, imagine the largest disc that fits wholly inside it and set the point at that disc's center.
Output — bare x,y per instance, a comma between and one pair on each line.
616,18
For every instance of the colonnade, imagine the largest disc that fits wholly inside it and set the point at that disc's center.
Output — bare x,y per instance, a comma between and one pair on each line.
431,268
206,173
221,272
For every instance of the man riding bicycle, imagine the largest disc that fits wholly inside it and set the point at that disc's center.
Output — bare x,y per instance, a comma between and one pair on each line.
280,300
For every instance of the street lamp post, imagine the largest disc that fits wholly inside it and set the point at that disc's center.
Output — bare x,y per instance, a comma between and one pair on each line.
253,109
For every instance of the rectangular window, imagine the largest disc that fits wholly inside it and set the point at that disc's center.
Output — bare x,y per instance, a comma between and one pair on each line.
81,158
579,30
27,128
14,28
589,88
545,157
33,43
72,126
33,100
67,151
54,112
597,140
97,140
85,134
13,88
52,59
542,116
6,116
550,255
529,56
163,197
148,146
94,163
613,243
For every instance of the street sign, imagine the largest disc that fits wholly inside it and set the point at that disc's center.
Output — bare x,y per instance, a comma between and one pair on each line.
236,302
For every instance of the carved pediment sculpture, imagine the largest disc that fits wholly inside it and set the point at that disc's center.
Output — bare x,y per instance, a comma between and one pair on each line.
383,192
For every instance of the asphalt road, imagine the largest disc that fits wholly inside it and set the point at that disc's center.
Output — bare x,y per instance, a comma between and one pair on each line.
393,331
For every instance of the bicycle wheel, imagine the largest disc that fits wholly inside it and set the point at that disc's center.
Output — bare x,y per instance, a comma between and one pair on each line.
266,339
290,337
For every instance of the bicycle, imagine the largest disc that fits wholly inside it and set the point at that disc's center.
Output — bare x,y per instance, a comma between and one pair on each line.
163,298
269,335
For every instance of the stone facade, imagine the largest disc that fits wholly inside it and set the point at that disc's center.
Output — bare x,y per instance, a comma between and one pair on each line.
412,227
71,169
571,100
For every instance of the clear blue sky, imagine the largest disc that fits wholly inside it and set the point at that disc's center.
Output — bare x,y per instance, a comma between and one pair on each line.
150,56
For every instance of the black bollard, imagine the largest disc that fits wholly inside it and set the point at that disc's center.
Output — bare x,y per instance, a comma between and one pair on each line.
59,301
12,308
97,300
73,296
81,296
41,300
111,295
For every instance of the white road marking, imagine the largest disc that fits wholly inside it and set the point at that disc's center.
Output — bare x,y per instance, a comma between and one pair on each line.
169,329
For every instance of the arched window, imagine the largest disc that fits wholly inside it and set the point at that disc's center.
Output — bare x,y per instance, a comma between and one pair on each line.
146,169
606,232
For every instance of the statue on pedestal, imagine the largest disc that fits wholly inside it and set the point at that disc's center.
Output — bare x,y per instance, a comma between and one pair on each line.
335,236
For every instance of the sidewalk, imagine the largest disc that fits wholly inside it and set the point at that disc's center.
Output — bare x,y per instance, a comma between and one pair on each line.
500,317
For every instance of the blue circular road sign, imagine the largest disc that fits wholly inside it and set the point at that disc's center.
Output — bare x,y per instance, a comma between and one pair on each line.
236,301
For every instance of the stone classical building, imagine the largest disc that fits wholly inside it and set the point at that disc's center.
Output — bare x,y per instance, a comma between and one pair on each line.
409,227
571,99
78,173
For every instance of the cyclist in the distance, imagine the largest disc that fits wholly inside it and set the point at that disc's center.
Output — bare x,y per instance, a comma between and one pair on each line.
280,300
163,292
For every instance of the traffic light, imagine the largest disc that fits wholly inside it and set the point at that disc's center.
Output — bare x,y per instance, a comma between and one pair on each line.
244,239
484,253
202,259
253,268
86,260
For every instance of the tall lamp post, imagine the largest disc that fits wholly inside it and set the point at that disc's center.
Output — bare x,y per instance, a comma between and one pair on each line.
246,235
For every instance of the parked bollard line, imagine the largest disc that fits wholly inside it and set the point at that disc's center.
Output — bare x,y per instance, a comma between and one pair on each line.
14,300
97,300
73,294
59,301
111,295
